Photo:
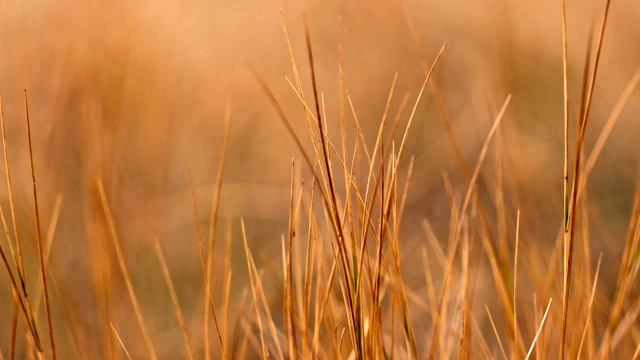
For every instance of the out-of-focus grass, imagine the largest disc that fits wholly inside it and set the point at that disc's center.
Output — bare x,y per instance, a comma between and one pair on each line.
126,98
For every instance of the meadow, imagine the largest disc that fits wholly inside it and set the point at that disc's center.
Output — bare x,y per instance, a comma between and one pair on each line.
320,180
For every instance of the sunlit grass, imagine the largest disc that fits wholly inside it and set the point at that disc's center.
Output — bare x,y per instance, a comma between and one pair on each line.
360,261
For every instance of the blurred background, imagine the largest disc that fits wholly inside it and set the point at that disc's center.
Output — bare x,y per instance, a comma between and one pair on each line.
134,93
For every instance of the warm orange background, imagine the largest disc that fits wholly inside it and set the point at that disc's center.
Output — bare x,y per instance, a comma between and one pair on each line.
134,92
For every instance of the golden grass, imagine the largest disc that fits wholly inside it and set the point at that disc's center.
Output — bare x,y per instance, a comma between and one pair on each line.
373,254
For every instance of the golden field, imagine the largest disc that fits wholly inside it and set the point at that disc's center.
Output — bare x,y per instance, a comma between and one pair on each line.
321,179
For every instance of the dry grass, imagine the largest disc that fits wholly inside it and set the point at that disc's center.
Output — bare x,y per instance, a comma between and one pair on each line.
419,216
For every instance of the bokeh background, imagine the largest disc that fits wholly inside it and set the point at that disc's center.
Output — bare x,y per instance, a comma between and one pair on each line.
134,93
